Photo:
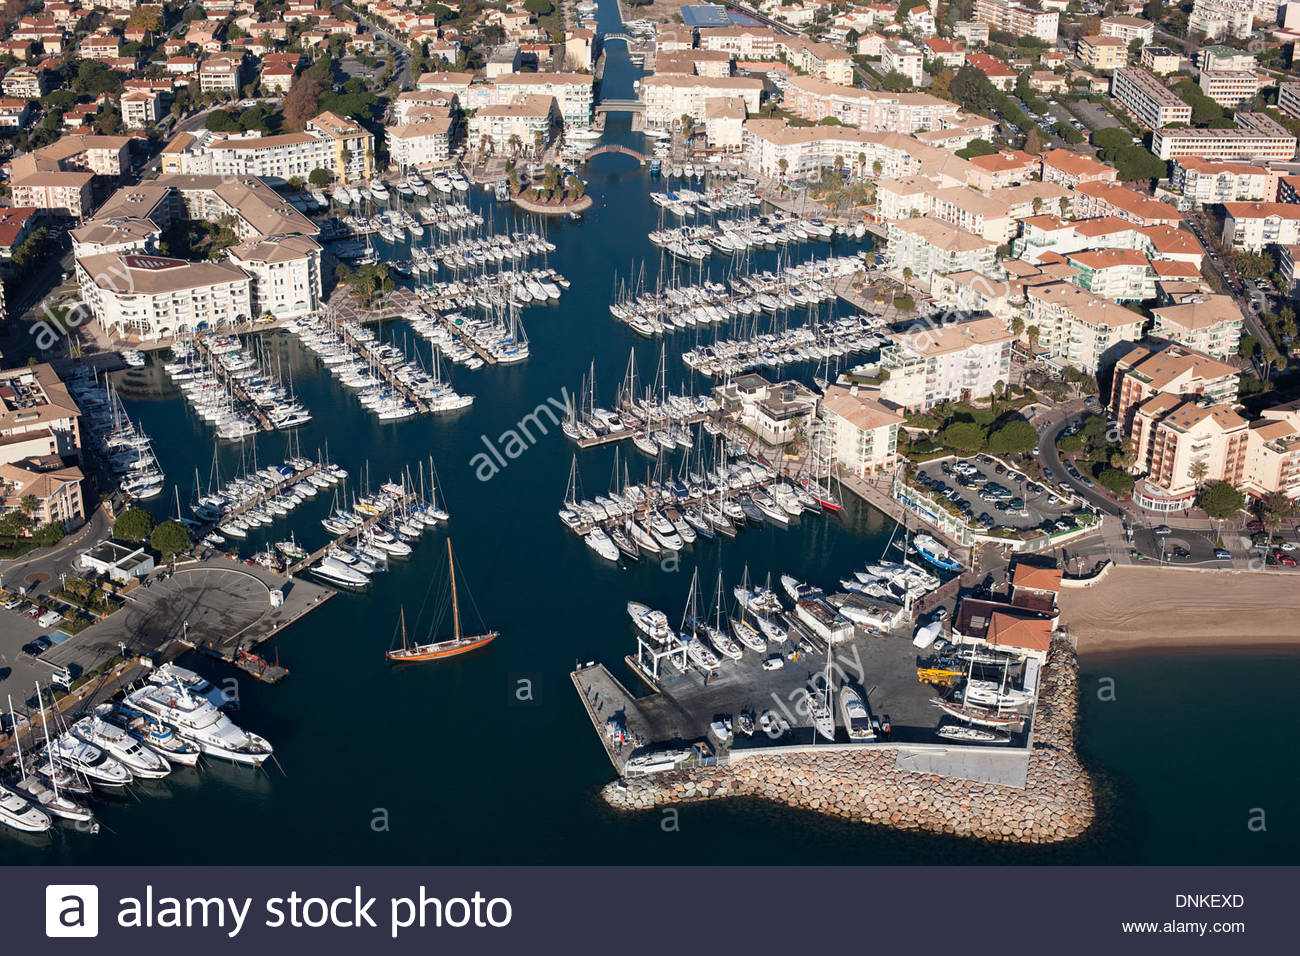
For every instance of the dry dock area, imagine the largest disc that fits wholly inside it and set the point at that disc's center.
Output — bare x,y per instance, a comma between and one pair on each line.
681,708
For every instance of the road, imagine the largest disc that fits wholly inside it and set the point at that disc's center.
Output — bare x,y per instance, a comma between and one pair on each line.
1050,458
403,54
1250,299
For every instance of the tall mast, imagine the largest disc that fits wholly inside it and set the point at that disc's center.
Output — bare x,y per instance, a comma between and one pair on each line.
455,605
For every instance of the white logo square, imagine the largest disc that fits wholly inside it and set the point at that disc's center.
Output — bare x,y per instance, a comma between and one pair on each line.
71,910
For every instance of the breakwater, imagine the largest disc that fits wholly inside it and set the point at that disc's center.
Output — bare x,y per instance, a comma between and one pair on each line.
868,785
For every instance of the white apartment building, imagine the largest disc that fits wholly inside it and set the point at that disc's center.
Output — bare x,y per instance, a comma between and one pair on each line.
350,145
1077,327
419,144
1207,323
1022,21
1207,183
153,297
1230,88
931,364
905,58
863,433
1288,98
1255,226
514,125
1100,52
812,99
1225,58
285,273
925,246
1149,100
1222,18
573,93
669,98
1257,136
1128,29
141,108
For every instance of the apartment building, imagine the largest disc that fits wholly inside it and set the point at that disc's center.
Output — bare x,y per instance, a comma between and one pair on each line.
1230,88
1257,136
1147,99
1102,52
1207,183
816,100
1004,168
1207,323
38,418
351,147
1123,275
668,98
1079,328
1112,199
905,58
1160,60
1255,226
930,364
573,93
1273,453
509,126
1145,371
822,60
115,235
420,144
1068,168
1127,29
285,273
141,108
1011,17
863,432
1222,18
925,246
221,74
154,297
58,177
1288,99
55,494
1225,58
26,82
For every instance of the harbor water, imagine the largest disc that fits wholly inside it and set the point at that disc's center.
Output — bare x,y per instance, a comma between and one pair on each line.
490,757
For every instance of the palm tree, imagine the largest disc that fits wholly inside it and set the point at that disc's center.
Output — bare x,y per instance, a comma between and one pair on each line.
783,164
1199,469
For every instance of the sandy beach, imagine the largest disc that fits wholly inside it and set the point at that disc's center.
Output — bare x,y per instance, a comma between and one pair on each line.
1137,608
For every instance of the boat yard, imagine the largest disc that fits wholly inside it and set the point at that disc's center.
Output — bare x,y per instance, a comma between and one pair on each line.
682,705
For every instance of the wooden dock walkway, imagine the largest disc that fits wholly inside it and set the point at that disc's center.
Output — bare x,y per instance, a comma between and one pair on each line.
299,566
459,333
385,371
269,493
235,384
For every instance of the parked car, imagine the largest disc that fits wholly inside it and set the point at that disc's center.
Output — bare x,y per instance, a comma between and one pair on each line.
13,604
1180,552
49,619
1286,546
38,646
1285,559
1047,473
1223,554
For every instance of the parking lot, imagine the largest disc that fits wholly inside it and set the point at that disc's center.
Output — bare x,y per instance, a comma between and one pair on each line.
19,668
993,496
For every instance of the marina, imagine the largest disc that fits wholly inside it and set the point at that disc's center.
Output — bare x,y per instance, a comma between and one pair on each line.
556,599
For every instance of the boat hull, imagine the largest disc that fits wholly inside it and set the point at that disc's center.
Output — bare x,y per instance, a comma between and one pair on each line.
441,650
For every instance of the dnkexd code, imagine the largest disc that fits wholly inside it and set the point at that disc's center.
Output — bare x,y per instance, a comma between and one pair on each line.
294,911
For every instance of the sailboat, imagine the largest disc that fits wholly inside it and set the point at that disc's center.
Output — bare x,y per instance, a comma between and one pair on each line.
457,644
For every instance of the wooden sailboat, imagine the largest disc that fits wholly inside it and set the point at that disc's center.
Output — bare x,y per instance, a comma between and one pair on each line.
436,650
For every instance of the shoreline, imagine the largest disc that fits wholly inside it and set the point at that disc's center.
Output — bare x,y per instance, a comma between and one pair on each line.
1058,802
1103,650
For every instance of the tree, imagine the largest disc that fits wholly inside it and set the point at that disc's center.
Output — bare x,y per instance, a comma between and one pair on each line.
977,147
1015,437
1119,483
1033,143
148,17
133,525
221,121
1248,346
1017,326
169,538
320,177
1198,470
538,8
895,82
12,525
965,436
1220,500
1070,444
